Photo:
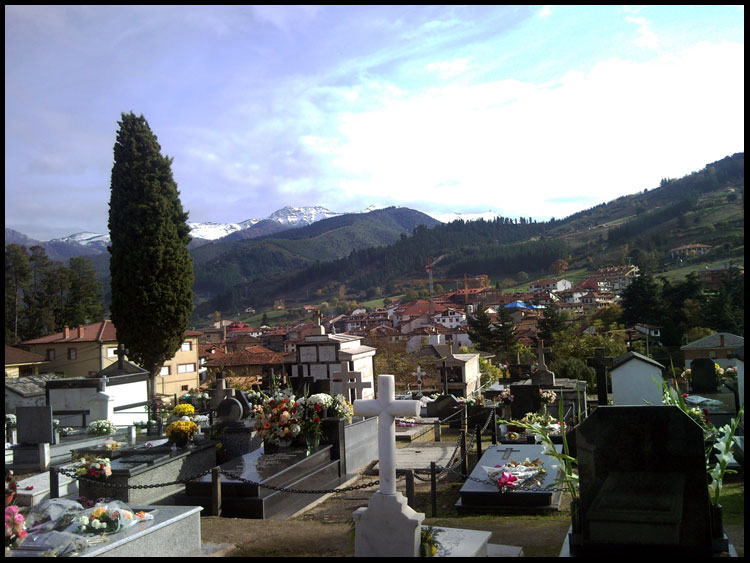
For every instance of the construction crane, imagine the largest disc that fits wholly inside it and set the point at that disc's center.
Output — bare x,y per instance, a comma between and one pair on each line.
429,266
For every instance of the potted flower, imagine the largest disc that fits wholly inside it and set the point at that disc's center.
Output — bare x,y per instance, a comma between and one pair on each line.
11,486
101,428
324,400
183,409
180,432
548,396
310,423
429,544
505,398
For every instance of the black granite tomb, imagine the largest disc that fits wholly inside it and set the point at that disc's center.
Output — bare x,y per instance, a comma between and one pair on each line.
443,406
643,485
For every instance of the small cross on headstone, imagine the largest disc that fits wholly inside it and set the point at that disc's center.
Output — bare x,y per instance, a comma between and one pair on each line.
507,452
600,363
386,408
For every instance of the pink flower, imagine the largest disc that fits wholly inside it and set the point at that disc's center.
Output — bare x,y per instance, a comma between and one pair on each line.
19,519
506,479
30,488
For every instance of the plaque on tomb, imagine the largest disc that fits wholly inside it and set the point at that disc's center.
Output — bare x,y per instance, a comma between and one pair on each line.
703,376
308,354
145,458
642,477
229,410
544,378
534,492
319,371
526,399
34,425
327,353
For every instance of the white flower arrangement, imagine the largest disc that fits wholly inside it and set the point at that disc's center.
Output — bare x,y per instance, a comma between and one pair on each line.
342,408
101,427
322,399
10,419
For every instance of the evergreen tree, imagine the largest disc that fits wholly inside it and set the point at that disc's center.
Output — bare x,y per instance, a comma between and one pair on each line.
552,321
642,302
39,318
84,303
151,269
480,330
17,277
504,334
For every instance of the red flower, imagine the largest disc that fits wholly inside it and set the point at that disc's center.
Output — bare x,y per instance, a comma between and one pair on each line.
316,419
684,395
318,408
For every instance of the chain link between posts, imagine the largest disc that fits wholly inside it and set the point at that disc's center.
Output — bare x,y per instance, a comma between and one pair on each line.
231,475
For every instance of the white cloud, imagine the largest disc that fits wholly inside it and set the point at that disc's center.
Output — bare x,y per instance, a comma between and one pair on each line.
613,129
449,69
646,38
544,12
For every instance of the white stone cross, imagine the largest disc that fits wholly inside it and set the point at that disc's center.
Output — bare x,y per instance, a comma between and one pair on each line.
386,408
419,374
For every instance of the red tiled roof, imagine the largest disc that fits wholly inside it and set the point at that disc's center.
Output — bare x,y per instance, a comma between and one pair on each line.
252,355
15,356
102,331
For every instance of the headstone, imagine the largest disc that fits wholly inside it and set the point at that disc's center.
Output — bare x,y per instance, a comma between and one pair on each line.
703,375
600,363
526,399
543,376
518,372
419,375
387,514
35,425
301,385
229,411
642,476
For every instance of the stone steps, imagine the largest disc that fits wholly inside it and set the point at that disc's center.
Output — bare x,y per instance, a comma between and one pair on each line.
40,490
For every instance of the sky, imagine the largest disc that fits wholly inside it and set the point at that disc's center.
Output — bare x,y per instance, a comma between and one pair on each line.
533,111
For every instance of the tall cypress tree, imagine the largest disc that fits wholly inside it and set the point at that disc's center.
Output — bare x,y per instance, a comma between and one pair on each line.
150,266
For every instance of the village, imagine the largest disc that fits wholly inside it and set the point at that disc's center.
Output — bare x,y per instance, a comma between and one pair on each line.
73,400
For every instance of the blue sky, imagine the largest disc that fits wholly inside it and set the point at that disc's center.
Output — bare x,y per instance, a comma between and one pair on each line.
525,110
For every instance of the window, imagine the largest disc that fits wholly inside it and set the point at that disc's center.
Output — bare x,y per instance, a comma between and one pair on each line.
185,388
50,354
111,352
164,370
187,346
185,368
71,353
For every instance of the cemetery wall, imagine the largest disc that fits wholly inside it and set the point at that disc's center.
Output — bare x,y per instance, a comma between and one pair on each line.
83,394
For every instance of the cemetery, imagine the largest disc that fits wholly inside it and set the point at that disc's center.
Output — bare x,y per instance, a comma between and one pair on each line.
309,436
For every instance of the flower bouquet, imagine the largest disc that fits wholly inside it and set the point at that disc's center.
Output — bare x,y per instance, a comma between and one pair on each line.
277,418
181,431
15,527
183,409
101,428
342,408
11,486
505,397
515,474
548,396
93,468
106,518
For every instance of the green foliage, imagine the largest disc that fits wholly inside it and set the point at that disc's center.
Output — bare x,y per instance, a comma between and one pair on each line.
150,266
42,296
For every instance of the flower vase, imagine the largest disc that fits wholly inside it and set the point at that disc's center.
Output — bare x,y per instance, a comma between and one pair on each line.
575,537
312,441
719,540
9,498
181,441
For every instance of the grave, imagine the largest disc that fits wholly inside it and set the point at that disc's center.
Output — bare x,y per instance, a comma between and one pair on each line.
519,372
542,376
149,466
387,514
421,430
644,492
478,494
174,532
289,468
35,435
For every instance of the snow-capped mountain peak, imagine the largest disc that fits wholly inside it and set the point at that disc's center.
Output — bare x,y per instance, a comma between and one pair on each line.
85,238
212,231
300,216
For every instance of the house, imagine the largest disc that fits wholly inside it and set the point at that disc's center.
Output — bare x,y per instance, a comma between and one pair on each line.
619,277
687,250
636,380
553,285
716,347
713,276
21,363
27,391
87,349
450,318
